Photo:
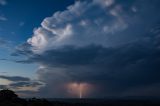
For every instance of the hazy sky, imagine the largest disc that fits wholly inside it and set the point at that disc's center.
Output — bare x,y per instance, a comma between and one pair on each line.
88,48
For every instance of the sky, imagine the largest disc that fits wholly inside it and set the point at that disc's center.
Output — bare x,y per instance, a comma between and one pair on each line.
80,48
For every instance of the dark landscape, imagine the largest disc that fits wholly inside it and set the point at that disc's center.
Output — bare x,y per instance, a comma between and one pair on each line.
9,98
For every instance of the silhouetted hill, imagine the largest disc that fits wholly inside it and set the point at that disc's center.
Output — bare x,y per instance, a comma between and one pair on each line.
9,98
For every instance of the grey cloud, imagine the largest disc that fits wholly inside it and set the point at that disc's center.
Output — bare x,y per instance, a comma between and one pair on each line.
22,84
122,60
25,84
116,69
15,78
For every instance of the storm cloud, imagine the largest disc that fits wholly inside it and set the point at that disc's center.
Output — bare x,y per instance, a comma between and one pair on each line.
107,44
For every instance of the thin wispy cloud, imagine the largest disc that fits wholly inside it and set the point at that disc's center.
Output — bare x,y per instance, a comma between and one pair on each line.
2,18
3,2
21,24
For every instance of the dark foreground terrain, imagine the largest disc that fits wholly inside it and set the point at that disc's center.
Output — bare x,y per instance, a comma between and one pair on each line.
9,98
43,102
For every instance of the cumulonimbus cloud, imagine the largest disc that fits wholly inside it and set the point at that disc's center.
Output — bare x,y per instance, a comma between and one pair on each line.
93,24
104,43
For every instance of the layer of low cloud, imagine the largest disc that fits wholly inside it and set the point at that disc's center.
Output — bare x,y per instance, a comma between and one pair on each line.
113,46
14,78
20,84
